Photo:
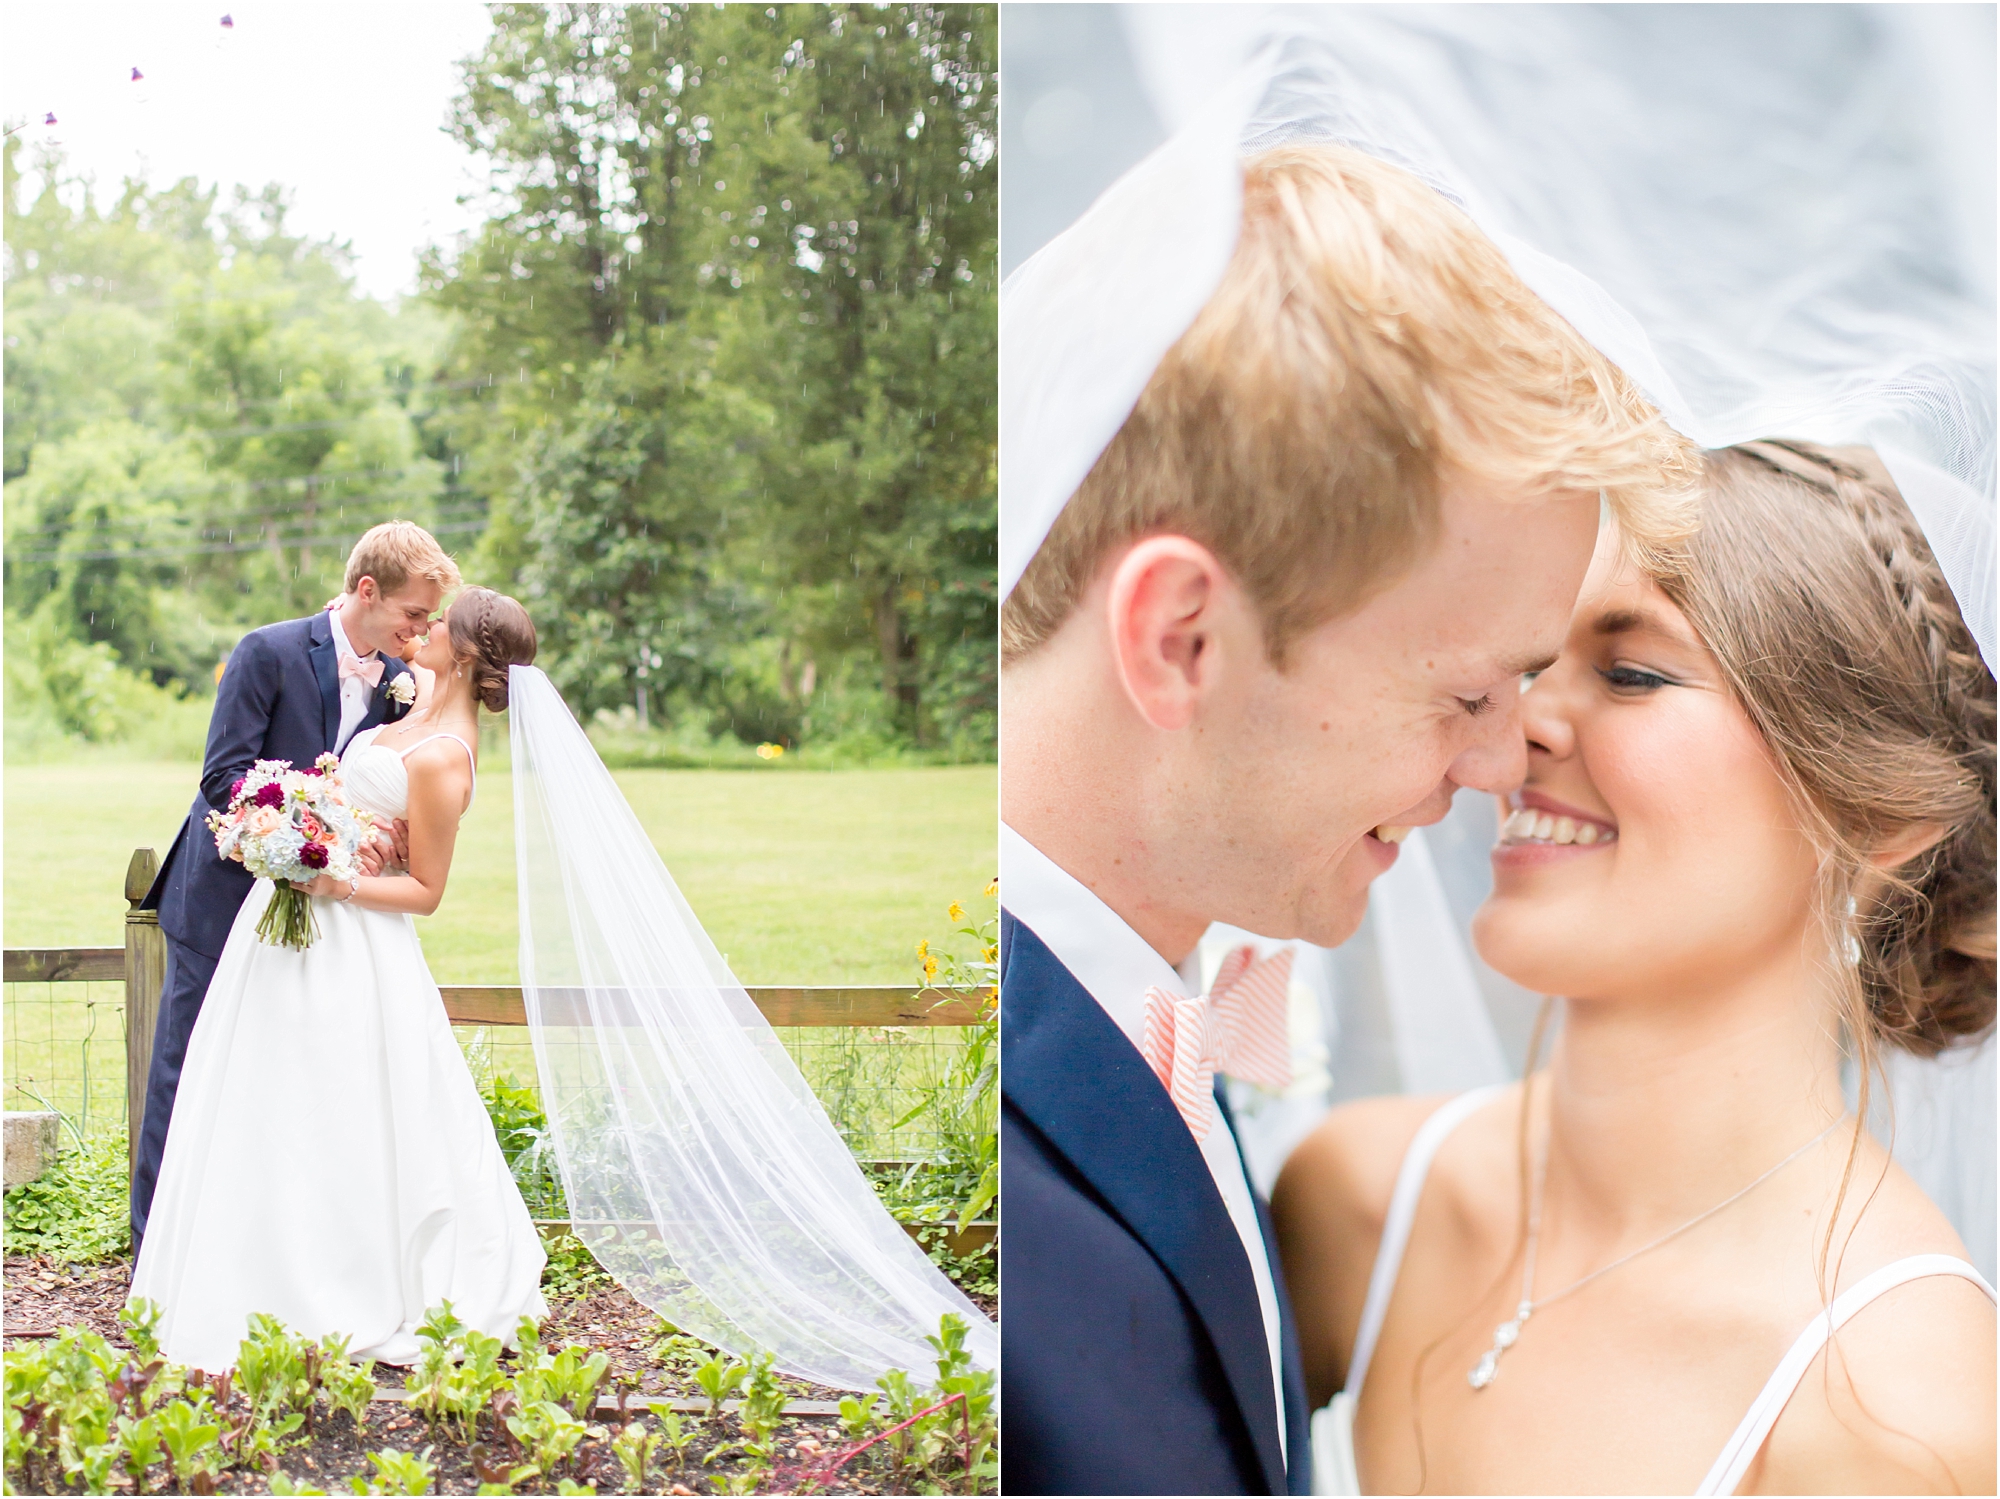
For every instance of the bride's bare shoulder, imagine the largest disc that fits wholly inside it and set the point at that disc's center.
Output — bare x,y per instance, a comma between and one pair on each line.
1902,1403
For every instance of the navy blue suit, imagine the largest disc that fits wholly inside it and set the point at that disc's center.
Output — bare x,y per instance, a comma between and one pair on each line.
1133,1352
279,699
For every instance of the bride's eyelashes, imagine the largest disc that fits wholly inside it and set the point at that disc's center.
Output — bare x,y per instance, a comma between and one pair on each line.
1634,681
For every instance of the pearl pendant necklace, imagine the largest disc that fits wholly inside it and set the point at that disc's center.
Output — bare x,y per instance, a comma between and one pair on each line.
1508,1333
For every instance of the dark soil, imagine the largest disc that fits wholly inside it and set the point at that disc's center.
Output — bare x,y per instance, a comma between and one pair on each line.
647,1362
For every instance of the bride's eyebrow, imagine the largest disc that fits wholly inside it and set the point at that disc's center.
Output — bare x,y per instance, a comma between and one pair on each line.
1637,622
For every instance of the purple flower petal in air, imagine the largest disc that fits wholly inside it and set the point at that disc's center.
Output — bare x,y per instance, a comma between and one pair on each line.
51,119
137,75
227,23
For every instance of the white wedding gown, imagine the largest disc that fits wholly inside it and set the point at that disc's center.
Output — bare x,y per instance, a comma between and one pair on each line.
330,1162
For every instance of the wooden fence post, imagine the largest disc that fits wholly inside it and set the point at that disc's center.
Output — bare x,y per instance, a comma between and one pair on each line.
145,976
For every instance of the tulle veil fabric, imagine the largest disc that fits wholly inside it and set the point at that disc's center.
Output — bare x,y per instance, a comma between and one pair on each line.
1777,220
700,1169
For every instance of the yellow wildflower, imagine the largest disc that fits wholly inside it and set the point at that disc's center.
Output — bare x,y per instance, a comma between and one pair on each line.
924,947
993,885
930,968
991,951
955,911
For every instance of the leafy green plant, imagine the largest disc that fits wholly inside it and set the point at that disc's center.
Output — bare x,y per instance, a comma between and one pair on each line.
522,1129
763,1407
718,1379
191,1440
571,1269
547,1432
672,1432
858,1417
78,1211
573,1377
396,1473
633,1447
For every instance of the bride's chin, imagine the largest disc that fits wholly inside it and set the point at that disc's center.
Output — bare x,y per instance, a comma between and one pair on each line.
1534,948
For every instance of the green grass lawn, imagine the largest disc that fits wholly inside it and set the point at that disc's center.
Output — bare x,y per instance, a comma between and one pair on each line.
800,877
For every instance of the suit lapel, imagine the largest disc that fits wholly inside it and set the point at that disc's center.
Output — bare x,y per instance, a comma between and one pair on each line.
326,669
381,707
1072,1072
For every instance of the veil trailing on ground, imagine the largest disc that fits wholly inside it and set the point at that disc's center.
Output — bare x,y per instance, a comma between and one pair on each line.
700,1170
1778,221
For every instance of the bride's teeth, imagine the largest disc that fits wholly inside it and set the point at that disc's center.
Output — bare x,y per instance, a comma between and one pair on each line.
1388,833
1525,825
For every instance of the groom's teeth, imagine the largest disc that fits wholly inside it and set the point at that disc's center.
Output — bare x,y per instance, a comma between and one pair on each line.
1389,833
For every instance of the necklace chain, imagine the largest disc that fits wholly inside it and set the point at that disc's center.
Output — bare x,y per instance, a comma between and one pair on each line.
1509,1332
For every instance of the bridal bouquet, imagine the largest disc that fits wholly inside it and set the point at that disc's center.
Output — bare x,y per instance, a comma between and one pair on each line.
284,825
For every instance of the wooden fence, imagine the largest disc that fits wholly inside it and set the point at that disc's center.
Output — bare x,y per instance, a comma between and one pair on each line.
142,966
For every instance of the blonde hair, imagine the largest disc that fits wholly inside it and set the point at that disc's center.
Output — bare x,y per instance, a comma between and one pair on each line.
1366,341
395,552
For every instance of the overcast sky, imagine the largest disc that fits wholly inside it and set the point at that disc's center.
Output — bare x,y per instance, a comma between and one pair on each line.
340,103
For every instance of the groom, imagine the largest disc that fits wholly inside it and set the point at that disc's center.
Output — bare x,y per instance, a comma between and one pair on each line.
1281,621
291,691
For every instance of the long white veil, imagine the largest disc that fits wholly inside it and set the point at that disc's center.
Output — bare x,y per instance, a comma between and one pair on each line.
700,1169
1778,220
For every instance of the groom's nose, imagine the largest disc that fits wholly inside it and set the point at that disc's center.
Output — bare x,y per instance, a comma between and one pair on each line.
1496,760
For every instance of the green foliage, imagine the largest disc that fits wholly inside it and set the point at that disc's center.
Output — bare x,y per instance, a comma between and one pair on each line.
77,1211
456,1374
719,1377
523,1131
963,1103
201,416
739,291
633,1447
396,1473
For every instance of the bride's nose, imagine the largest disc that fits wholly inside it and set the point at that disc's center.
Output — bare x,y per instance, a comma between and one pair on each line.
1548,726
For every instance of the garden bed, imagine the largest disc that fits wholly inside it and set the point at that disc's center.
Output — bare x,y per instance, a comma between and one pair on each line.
647,1425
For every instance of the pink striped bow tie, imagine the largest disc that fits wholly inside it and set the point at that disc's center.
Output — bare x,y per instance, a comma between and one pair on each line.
1241,1027
370,671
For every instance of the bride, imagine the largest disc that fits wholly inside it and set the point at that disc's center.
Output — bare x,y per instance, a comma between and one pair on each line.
1757,830
330,1162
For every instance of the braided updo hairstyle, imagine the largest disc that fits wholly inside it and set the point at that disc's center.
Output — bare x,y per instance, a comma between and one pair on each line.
1815,589
489,633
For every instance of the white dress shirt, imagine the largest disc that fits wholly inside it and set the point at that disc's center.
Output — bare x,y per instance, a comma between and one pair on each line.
1117,966
354,692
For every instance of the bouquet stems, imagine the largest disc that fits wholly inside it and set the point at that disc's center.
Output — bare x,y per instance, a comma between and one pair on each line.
288,919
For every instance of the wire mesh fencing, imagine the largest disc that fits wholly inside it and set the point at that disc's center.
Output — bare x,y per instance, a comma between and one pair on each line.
65,1043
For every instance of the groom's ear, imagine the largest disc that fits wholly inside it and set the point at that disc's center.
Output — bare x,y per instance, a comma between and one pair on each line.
1166,596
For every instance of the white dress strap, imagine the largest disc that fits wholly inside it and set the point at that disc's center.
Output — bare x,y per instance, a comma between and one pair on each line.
471,759
1743,1447
1396,1225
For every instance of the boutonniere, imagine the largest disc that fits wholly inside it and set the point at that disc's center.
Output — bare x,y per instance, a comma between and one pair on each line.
403,689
